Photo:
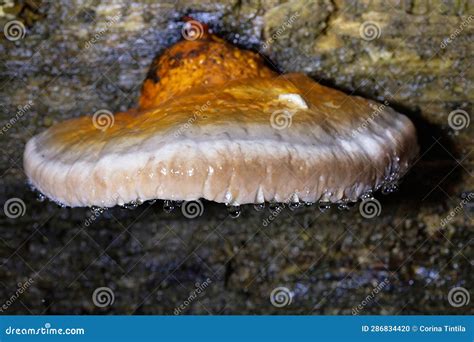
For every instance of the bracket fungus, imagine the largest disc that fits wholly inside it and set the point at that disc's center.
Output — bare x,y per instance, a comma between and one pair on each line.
215,122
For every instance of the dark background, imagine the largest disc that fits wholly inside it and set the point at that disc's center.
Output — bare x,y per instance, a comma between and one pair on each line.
152,261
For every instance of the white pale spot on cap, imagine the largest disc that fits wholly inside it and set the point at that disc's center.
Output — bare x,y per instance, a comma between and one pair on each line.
295,100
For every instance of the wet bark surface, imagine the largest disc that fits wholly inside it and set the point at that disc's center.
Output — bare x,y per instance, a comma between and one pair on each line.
77,57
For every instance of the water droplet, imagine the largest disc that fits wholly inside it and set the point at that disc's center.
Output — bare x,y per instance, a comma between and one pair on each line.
96,209
140,201
234,211
131,205
294,205
259,206
168,206
274,206
367,195
294,202
324,206
392,177
342,206
40,197
389,188
308,204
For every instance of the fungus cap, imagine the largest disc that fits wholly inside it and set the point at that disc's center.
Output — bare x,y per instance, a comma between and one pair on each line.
214,122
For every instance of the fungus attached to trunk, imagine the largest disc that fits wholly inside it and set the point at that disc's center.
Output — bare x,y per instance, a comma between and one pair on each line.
214,122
